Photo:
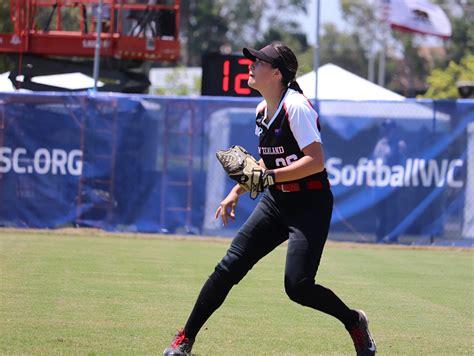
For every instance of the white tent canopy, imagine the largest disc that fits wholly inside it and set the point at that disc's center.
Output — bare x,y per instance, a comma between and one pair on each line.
339,84
335,83
6,85
70,81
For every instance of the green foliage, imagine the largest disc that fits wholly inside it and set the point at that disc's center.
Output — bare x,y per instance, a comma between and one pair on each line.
5,64
412,69
204,29
461,15
208,26
360,14
288,33
5,27
177,82
408,74
462,40
343,49
442,82
5,21
366,39
70,18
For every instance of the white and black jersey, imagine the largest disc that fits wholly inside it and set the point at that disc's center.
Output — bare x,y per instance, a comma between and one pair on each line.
283,137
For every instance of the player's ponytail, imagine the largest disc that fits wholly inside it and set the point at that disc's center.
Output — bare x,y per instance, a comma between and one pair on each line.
295,86
290,66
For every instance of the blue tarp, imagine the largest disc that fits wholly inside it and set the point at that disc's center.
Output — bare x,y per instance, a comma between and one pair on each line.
143,163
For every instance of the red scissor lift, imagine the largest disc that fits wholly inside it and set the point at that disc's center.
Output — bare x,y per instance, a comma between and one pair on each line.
131,29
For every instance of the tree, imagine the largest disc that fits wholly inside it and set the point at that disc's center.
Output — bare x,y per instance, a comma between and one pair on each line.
212,25
442,82
372,35
6,26
461,15
415,68
406,68
203,29
246,20
361,14
290,34
343,49
411,70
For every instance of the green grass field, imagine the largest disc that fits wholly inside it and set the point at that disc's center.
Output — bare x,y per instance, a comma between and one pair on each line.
98,294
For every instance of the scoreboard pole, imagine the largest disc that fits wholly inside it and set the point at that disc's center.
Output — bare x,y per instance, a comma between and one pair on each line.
316,50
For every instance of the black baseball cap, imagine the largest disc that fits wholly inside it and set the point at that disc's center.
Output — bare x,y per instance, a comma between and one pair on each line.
268,54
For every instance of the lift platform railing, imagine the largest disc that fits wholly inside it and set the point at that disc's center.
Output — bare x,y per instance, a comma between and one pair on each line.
131,29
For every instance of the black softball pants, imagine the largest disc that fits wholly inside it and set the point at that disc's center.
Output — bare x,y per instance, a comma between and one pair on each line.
302,218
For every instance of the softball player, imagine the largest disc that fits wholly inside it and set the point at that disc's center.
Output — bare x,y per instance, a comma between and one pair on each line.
296,208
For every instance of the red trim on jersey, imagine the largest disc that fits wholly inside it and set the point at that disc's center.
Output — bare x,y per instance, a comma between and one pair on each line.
286,112
317,115
308,101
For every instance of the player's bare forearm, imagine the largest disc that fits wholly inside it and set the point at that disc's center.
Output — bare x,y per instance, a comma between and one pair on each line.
311,163
238,189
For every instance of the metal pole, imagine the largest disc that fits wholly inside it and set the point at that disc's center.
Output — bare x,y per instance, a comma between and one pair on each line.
382,62
383,44
371,64
316,49
97,45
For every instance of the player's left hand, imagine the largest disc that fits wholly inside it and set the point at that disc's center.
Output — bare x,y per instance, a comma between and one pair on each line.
226,209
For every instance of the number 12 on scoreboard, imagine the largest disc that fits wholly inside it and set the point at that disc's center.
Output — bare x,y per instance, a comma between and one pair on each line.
238,79
226,75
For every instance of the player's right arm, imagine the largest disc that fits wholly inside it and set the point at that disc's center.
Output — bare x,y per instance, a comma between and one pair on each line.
226,208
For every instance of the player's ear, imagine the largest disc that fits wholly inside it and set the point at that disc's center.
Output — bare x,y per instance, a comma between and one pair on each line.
277,73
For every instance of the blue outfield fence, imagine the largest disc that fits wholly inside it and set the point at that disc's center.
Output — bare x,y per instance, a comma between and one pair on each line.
400,171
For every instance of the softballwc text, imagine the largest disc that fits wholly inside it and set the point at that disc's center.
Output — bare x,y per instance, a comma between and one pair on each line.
54,161
415,172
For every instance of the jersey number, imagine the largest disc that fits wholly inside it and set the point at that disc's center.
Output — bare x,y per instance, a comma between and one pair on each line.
282,162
